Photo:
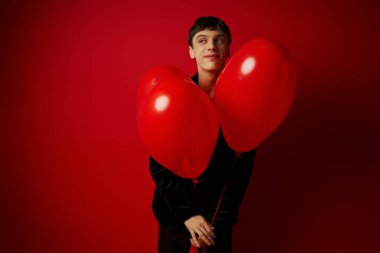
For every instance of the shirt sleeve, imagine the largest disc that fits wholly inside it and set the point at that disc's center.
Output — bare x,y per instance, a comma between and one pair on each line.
236,188
178,193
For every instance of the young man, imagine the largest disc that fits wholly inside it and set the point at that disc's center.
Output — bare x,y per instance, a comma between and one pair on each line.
185,210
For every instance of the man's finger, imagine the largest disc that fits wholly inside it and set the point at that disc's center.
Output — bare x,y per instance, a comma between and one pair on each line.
193,243
193,236
203,236
209,230
208,236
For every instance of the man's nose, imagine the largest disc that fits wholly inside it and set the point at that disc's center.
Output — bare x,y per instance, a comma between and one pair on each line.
211,45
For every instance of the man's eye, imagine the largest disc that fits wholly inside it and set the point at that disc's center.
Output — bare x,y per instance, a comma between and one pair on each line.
220,41
202,41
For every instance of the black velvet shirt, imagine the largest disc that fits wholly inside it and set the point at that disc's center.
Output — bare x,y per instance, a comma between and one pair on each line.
177,199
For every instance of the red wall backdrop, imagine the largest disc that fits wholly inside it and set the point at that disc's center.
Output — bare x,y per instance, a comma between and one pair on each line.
74,175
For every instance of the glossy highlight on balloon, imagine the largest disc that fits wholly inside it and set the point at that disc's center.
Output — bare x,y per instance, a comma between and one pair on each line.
161,103
248,65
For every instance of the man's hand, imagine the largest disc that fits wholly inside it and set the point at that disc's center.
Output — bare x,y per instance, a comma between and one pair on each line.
199,226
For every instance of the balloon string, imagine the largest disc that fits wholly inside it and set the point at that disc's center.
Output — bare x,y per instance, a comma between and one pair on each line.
221,196
196,181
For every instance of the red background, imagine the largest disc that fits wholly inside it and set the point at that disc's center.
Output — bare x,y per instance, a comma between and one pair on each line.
74,176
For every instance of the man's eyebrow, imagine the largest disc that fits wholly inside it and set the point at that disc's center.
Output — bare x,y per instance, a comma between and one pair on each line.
201,35
221,36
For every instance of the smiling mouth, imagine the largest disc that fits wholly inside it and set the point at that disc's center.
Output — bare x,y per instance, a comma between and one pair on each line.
212,57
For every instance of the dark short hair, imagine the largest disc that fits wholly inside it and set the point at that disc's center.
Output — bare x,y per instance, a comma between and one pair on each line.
210,23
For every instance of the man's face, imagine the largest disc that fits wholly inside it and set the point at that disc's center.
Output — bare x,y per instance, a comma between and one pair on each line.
210,50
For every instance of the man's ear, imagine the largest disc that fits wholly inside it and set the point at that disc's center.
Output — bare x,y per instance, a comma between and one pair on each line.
191,52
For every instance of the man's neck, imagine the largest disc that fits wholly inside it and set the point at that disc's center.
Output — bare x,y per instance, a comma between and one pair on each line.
207,81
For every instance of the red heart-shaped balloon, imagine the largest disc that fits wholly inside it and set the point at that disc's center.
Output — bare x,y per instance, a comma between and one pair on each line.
254,92
179,127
